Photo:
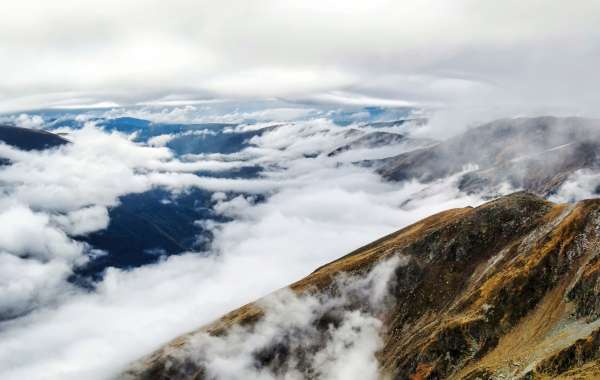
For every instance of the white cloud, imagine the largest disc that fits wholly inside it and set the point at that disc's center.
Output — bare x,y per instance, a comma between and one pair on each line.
218,112
583,184
316,210
29,121
161,140
27,284
49,196
83,221
463,52
36,259
346,350
26,233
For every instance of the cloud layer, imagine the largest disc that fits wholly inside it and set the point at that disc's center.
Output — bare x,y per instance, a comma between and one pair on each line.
464,53
305,209
315,209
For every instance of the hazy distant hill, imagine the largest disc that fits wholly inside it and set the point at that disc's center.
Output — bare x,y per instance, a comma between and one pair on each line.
533,154
29,139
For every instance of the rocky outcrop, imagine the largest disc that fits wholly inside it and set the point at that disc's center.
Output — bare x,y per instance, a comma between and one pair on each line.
507,290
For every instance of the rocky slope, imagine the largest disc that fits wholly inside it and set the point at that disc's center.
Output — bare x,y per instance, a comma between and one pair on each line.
507,290
532,154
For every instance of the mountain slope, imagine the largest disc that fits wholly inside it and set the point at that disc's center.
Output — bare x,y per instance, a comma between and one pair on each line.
379,139
533,154
509,289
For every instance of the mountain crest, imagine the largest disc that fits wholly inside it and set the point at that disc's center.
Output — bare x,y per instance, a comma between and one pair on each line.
505,290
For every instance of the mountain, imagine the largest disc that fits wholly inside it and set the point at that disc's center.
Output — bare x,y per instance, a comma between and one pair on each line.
507,290
29,139
379,139
534,154
395,123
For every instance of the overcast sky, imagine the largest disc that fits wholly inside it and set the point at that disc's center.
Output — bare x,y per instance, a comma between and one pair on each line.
461,52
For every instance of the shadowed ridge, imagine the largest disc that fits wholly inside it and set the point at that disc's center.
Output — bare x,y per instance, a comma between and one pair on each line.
29,139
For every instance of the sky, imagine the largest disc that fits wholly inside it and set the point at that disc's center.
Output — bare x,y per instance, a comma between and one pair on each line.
465,53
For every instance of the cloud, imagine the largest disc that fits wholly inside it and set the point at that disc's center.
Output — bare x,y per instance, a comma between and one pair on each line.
163,140
36,259
315,208
49,197
215,112
290,324
582,184
26,285
304,210
83,221
353,99
28,121
419,52
78,174
20,224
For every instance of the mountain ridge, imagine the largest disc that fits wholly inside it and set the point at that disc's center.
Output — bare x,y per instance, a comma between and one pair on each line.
504,290
535,154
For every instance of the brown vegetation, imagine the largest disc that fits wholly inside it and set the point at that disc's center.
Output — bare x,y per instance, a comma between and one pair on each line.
507,290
